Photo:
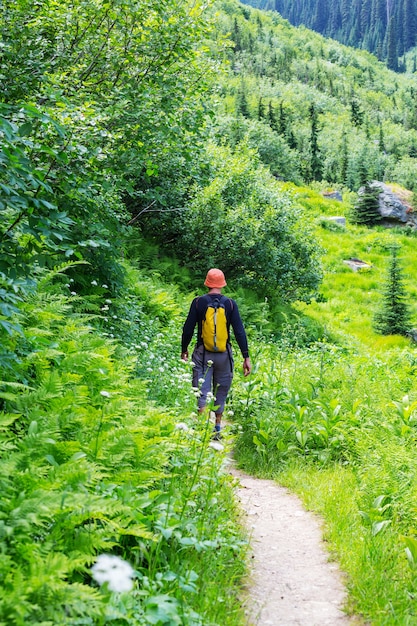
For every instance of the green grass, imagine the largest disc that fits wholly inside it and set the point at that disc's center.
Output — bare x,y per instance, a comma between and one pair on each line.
351,298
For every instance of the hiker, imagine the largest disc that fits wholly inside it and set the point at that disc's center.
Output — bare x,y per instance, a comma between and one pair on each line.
213,364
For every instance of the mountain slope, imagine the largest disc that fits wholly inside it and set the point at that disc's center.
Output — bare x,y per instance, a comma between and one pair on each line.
384,27
315,109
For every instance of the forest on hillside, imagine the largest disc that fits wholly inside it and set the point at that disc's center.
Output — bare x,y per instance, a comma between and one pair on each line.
314,109
386,28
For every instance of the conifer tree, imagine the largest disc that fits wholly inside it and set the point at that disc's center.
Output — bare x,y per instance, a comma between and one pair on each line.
392,45
316,166
261,109
242,107
381,144
236,35
282,120
272,117
363,166
394,317
356,115
344,159
365,211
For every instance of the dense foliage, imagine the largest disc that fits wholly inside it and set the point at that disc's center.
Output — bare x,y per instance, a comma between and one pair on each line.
95,100
386,28
91,466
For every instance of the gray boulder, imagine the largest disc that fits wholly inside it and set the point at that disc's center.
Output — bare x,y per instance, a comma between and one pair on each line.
393,207
333,195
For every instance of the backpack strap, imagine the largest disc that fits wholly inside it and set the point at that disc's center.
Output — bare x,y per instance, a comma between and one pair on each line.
222,298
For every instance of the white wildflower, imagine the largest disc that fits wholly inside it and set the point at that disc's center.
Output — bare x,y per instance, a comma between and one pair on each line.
181,426
114,571
209,363
73,293
201,380
105,394
216,445
230,413
192,363
94,283
104,286
107,301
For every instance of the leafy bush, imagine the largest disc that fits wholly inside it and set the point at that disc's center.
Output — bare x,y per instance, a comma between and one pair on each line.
244,224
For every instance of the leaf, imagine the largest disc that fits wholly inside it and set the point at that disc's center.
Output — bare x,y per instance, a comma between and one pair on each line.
51,460
77,456
25,129
11,397
411,551
377,527
6,419
33,428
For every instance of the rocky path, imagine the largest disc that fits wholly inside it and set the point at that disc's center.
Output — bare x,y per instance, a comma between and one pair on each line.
293,583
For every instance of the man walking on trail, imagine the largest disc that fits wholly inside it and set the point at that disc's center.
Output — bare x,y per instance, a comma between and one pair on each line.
212,356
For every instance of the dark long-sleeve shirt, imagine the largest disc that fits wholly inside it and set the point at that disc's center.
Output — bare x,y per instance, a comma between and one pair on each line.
195,318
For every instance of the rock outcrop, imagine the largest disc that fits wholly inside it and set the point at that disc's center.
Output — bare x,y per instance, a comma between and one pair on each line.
394,204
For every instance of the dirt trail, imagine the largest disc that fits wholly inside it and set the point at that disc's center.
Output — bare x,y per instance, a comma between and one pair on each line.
292,582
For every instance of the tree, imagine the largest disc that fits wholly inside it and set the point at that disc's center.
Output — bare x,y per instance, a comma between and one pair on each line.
282,123
272,119
242,107
261,109
392,45
98,100
365,211
250,218
394,317
344,159
356,114
316,164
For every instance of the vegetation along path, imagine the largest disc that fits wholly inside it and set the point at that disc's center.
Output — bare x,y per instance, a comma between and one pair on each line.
292,581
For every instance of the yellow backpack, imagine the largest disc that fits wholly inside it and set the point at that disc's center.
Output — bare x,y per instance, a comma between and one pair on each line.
214,326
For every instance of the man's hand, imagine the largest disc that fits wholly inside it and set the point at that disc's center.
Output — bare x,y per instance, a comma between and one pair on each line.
247,366
184,356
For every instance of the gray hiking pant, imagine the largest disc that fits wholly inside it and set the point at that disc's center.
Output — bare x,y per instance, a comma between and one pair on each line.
216,378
